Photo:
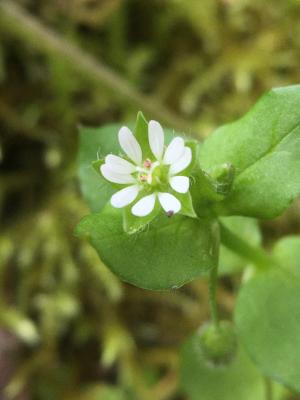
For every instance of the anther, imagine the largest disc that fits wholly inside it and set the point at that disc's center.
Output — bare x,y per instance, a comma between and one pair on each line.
147,163
143,178
170,213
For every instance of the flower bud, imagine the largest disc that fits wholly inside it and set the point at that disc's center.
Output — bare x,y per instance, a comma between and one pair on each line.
218,344
223,176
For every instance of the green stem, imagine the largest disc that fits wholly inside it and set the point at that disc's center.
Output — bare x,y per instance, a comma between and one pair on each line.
269,389
213,281
257,255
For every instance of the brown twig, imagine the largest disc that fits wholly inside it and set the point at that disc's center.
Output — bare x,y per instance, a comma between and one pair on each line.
19,23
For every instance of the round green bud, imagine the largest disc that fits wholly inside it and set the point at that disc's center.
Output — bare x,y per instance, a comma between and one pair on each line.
223,175
218,344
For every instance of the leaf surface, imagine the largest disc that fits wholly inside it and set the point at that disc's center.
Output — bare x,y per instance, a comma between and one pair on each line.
268,316
167,254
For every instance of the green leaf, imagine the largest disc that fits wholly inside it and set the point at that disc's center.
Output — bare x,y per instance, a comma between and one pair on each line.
268,317
167,254
248,229
264,149
92,142
240,380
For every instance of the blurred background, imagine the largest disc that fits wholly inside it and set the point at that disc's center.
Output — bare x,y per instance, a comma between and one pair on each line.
68,328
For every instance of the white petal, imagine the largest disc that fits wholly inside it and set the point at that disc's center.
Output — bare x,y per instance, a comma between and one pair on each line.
174,151
180,184
130,145
183,162
144,206
124,196
156,138
115,177
118,164
169,202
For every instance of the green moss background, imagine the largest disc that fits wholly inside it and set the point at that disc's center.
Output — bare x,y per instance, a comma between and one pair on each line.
69,328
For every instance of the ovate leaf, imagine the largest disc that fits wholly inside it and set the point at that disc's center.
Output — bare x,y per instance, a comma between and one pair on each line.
268,317
166,254
200,380
264,149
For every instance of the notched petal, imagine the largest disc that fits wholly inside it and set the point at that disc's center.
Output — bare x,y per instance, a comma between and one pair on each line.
119,165
169,203
156,139
180,184
130,145
174,151
115,177
182,163
125,196
144,206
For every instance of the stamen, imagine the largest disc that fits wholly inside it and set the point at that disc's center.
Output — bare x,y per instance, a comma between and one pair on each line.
170,213
143,178
147,163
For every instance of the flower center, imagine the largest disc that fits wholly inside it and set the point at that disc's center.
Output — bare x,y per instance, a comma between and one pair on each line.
153,174
147,163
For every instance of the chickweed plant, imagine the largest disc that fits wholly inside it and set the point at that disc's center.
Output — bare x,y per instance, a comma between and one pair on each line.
167,210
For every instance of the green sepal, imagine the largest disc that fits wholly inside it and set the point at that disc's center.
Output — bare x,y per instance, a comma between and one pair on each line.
204,192
223,176
97,164
141,134
218,344
185,199
193,145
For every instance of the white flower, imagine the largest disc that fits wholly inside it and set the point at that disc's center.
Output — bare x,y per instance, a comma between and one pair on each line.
148,180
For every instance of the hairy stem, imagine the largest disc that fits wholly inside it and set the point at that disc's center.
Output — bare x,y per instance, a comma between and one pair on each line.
213,281
257,255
